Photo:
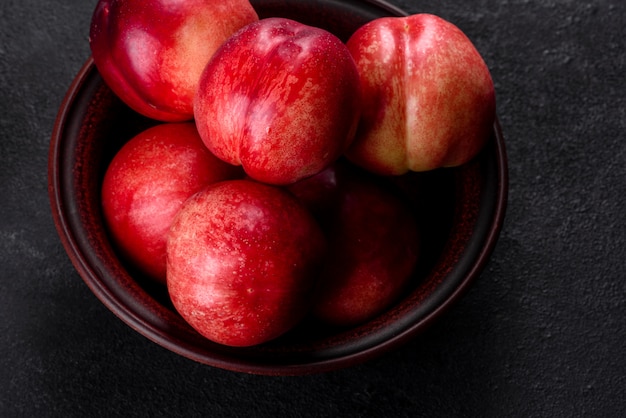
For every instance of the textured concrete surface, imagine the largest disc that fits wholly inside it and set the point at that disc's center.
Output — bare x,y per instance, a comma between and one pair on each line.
541,333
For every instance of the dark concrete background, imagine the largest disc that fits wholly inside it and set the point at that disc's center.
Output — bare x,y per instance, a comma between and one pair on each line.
541,333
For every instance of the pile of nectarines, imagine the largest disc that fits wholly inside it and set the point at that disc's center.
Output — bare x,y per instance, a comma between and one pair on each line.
260,195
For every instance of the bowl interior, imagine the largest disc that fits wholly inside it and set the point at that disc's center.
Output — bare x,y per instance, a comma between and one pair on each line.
461,209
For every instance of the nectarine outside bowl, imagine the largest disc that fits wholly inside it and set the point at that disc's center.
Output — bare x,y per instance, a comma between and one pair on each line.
462,210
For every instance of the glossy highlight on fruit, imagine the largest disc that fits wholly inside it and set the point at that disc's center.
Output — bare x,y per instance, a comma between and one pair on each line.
242,261
146,184
151,52
428,96
279,98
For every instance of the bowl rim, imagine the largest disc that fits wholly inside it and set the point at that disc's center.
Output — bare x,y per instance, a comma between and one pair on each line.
133,318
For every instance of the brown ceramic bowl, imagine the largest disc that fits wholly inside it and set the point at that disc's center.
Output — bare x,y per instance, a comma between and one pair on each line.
463,209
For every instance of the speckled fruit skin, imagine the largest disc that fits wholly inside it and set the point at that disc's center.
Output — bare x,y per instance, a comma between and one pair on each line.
429,99
242,261
146,184
373,240
151,52
280,98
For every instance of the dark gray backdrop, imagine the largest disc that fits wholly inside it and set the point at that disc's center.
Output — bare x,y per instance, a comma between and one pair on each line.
541,333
